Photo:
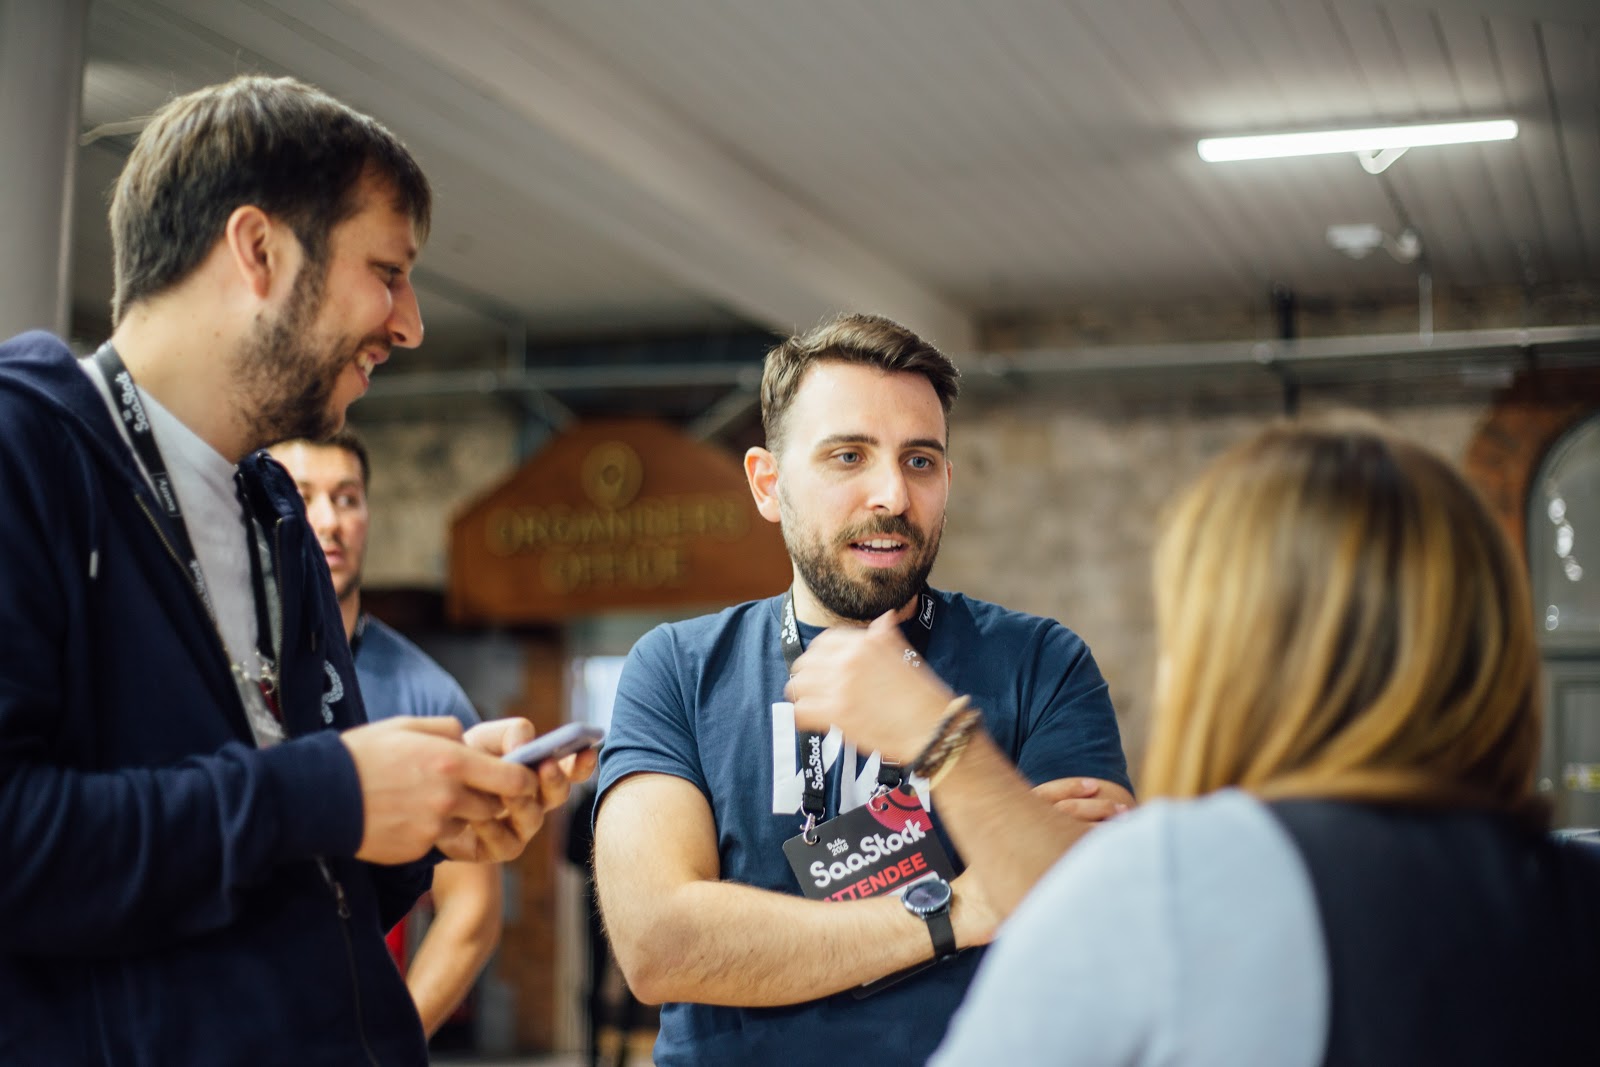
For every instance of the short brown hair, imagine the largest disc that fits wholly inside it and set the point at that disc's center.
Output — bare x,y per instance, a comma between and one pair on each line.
275,143
345,438
1339,616
854,338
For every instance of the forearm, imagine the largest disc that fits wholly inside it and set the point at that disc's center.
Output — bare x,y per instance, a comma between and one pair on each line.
729,944
681,933
460,940
125,860
1007,834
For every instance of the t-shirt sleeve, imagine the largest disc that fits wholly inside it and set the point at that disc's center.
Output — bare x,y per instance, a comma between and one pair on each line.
1073,730
398,678
453,701
1181,933
650,726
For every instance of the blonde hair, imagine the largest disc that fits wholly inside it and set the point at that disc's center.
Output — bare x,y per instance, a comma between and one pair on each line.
1340,617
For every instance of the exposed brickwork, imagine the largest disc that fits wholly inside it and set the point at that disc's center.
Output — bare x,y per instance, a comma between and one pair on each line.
1055,509
1525,422
422,473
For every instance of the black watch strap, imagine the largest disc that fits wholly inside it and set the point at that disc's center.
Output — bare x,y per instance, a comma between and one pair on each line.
943,934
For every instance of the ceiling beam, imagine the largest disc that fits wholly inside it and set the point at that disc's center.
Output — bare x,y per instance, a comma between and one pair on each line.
735,406
1320,354
1581,11
694,207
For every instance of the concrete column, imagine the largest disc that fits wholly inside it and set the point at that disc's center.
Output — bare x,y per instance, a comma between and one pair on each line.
41,99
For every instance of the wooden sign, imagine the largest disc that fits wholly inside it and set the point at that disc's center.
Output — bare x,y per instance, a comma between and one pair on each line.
613,515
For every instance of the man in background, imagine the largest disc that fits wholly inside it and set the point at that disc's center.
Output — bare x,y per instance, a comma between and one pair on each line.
398,678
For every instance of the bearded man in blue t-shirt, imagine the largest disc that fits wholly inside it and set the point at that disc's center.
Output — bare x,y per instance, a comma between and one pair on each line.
814,809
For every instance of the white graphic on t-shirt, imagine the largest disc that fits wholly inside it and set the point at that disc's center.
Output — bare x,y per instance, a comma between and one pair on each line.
856,784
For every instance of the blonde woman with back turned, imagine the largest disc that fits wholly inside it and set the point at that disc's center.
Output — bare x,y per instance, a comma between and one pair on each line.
1350,865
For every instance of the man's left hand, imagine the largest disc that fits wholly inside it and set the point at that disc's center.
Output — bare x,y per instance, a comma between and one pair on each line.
507,834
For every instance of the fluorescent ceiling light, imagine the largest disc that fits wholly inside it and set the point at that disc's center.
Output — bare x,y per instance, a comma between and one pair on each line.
1382,139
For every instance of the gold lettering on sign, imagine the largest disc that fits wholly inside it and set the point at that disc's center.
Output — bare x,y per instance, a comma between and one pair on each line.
637,567
624,541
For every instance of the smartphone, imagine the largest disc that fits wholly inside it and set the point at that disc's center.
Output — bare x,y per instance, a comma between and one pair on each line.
562,741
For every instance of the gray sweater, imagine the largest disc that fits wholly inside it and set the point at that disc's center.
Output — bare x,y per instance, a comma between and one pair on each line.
1181,933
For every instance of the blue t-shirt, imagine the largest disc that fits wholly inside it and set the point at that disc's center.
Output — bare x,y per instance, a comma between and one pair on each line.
703,700
398,678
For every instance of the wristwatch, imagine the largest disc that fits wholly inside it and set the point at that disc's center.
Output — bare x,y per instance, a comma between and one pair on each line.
929,900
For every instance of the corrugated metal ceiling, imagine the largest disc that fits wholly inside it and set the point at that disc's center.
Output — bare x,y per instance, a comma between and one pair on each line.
623,167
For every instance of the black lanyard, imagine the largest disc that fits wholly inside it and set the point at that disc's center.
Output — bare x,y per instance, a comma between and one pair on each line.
813,772
130,408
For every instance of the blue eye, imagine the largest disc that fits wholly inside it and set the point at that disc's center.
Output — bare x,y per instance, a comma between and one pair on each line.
920,463
848,457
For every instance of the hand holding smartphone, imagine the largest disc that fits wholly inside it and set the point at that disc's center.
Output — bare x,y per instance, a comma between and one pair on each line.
562,741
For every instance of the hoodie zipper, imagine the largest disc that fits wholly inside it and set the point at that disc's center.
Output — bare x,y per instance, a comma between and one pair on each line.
340,900
343,905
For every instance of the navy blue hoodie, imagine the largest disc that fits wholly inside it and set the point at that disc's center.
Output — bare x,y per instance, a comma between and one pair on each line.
170,893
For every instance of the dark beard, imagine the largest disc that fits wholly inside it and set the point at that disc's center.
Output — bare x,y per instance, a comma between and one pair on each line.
352,585
287,387
866,598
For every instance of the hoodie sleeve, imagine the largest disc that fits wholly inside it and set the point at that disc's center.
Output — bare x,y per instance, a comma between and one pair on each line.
98,858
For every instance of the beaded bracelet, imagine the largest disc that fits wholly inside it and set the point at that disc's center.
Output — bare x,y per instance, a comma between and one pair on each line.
949,741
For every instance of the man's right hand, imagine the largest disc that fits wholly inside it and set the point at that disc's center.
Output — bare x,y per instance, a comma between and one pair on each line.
420,783
503,838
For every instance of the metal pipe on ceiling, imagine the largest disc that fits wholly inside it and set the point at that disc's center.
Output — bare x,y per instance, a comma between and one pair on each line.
565,379
1326,353
1327,358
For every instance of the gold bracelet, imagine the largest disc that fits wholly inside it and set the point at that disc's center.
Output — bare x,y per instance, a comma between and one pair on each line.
960,721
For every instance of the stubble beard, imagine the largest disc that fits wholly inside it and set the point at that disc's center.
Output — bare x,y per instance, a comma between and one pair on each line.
286,386
351,585
879,589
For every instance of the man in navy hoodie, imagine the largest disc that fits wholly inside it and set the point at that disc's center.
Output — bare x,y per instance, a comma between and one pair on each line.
202,842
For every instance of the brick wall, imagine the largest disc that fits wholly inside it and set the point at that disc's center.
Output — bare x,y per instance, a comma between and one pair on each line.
1059,487
1055,509
423,472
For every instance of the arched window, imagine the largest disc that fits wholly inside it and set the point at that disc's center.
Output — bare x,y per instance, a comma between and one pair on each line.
1564,558
1564,539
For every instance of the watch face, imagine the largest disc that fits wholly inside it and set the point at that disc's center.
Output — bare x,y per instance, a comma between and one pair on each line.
927,897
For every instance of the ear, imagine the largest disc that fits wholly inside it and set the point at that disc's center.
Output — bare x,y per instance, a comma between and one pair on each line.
256,249
761,471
